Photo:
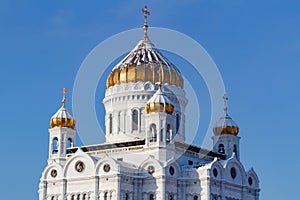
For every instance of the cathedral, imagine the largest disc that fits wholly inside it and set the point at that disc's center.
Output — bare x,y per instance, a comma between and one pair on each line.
145,156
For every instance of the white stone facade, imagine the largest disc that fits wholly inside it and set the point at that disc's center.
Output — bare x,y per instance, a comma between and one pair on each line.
135,167
145,156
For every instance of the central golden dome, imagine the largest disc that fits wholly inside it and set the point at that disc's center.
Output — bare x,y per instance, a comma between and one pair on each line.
145,63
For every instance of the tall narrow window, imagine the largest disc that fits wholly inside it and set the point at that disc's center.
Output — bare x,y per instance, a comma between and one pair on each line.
84,197
55,146
126,196
73,197
110,123
195,197
177,122
168,135
69,145
234,149
106,196
221,148
153,133
135,120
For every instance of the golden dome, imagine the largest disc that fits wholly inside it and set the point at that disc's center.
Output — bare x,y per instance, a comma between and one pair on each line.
225,125
145,63
62,118
159,103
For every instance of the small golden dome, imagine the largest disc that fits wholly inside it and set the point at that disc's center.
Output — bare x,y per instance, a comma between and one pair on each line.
62,118
225,125
145,63
159,103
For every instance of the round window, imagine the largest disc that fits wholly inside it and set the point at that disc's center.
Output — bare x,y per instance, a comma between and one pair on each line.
171,170
250,181
79,166
151,169
53,173
215,172
233,172
106,168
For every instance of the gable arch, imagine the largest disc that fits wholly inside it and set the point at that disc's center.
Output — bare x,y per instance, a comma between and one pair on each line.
114,167
53,166
217,165
240,171
176,166
69,169
151,161
251,173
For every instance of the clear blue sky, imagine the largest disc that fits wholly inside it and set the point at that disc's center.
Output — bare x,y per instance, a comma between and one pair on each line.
256,45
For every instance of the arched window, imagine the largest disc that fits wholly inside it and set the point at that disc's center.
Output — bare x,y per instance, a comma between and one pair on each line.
135,120
168,135
151,197
52,198
69,145
153,133
235,150
106,196
126,196
110,123
221,148
78,197
177,122
195,197
73,197
171,197
84,197
55,146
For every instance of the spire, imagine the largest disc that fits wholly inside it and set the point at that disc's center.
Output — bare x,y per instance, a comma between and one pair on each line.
62,118
145,27
64,91
225,125
225,98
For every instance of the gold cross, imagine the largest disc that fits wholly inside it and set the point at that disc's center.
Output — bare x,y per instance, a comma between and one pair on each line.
64,91
225,102
146,13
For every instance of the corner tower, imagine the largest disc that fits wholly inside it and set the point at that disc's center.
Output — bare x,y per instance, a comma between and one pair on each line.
226,139
132,83
62,135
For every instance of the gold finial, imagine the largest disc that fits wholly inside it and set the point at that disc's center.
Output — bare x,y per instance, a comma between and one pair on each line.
146,13
225,102
64,91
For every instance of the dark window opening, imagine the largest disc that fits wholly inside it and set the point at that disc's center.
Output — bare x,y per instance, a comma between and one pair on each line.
55,146
221,148
135,120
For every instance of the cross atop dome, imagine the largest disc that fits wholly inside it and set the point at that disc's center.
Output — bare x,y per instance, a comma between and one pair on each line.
64,91
225,98
146,14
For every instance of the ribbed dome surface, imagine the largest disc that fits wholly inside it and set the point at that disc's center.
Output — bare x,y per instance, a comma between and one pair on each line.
62,118
226,125
159,103
145,63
